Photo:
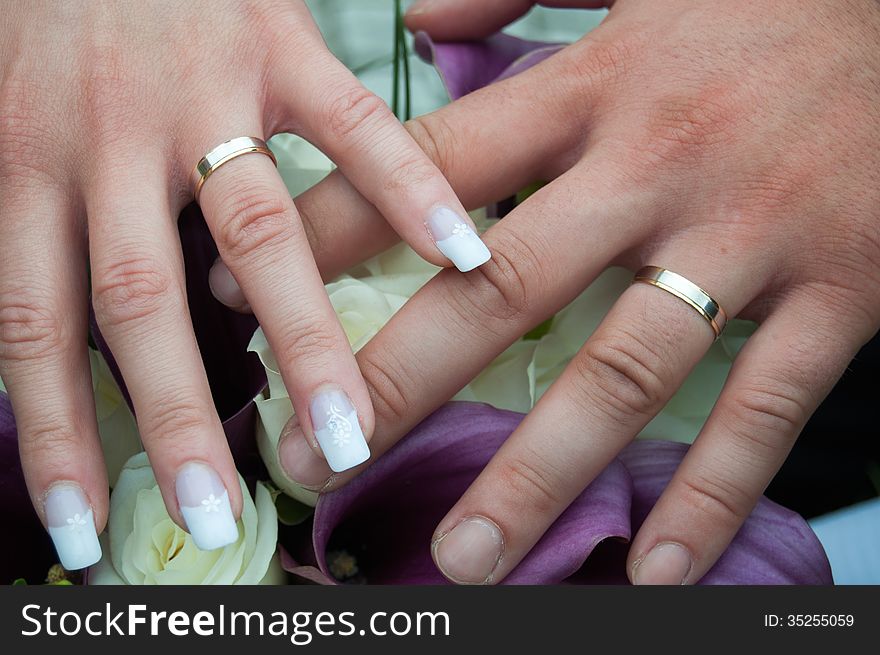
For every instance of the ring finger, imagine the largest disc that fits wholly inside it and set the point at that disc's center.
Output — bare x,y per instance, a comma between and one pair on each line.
624,374
261,240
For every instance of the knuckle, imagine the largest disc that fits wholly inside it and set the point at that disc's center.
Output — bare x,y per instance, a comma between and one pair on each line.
24,131
56,439
257,219
409,173
761,415
528,484
174,420
604,61
129,290
622,376
308,340
387,386
685,129
351,110
108,94
435,136
721,502
505,288
28,330
594,65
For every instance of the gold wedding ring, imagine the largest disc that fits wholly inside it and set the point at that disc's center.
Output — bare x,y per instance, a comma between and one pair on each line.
226,151
680,287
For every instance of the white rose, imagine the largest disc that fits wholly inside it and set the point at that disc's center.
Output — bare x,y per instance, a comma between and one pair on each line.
364,300
143,545
370,294
117,427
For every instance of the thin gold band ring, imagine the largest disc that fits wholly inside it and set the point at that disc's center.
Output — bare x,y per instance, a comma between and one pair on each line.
226,151
682,288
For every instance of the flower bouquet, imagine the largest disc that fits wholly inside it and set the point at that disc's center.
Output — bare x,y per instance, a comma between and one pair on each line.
377,529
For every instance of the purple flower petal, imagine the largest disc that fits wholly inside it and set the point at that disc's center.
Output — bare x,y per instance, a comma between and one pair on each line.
467,66
303,573
386,516
774,546
235,375
29,554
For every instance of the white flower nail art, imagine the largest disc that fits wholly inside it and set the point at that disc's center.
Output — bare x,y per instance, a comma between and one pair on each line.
461,230
338,431
339,426
457,240
211,503
76,523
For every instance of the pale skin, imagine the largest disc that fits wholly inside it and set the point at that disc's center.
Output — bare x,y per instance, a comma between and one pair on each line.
105,109
733,143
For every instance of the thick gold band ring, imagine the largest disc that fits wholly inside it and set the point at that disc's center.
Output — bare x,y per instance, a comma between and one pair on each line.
226,151
680,287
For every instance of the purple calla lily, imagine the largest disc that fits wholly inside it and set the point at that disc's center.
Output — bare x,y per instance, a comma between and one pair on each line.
467,66
30,552
377,529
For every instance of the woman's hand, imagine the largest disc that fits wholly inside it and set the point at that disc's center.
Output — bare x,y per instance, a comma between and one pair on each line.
105,109
733,143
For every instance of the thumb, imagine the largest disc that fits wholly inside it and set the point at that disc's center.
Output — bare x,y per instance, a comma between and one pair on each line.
464,20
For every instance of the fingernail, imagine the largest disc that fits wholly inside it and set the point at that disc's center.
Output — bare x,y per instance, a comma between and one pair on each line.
299,461
456,239
666,564
419,7
204,505
71,525
470,553
224,287
338,431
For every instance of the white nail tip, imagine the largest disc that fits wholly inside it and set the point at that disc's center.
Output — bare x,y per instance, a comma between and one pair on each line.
71,524
467,252
456,239
338,431
205,508
211,524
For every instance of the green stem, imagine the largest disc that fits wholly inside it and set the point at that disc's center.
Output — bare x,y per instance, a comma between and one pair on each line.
395,91
407,112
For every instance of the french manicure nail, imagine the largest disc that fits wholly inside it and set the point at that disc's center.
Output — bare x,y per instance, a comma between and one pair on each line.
666,564
204,505
457,240
338,431
470,552
299,462
71,525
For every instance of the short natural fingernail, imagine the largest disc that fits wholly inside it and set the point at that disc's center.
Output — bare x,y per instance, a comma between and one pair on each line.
71,525
224,287
470,552
666,564
299,461
204,505
420,7
457,240
337,430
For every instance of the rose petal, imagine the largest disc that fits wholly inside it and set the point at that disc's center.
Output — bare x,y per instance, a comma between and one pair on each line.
386,516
